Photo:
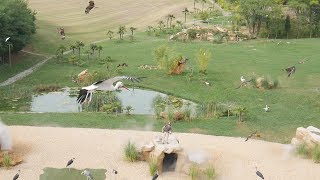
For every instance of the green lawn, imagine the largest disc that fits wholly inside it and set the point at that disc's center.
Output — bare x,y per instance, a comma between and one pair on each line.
72,174
24,62
295,103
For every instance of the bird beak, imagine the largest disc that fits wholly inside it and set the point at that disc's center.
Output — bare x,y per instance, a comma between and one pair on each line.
125,88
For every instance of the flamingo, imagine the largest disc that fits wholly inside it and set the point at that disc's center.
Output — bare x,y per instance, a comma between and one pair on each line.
106,85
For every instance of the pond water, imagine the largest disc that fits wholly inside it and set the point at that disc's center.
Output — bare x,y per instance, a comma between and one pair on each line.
140,99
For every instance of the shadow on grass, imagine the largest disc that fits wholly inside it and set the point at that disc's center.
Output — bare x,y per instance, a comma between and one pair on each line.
73,174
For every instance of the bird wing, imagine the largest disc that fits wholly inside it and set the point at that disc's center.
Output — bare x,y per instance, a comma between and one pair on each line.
15,177
81,97
107,84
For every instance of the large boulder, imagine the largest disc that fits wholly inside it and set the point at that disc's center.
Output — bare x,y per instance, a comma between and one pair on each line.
310,136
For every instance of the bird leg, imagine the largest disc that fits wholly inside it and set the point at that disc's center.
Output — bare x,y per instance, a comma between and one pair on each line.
90,98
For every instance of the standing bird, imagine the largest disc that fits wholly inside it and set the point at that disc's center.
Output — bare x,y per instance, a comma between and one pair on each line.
155,176
266,109
252,134
70,162
105,85
258,173
15,177
87,174
114,171
243,82
290,70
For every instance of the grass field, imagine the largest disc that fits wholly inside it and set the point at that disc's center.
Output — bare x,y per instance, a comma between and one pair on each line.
65,174
294,103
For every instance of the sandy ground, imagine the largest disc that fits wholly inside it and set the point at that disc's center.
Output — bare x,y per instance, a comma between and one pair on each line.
99,148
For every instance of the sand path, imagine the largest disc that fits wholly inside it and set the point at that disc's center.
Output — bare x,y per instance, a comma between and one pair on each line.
100,148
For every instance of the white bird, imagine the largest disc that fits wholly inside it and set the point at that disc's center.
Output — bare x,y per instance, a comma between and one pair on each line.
7,39
266,109
242,79
105,85
87,174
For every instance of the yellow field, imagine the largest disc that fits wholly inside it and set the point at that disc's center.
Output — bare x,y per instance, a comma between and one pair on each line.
109,14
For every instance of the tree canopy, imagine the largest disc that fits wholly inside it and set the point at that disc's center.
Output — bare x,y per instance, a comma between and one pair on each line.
17,21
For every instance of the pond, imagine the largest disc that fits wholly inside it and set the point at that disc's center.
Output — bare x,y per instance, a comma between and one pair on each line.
140,100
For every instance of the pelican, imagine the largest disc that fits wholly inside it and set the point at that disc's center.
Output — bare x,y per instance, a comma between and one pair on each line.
105,85
87,174
266,109
7,39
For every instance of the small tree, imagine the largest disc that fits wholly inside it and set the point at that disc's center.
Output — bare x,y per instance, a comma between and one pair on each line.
132,29
72,47
128,109
171,17
99,48
203,57
79,45
161,24
121,31
240,111
110,34
185,11
93,47
287,26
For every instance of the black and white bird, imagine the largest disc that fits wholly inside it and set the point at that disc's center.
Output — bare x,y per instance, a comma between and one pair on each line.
105,85
290,70
87,174
15,177
155,176
266,109
114,171
258,173
7,39
243,82
70,162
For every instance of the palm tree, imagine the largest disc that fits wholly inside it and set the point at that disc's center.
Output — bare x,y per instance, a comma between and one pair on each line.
121,31
61,49
93,47
72,47
99,48
168,17
161,23
194,4
110,34
185,11
171,16
132,29
240,112
202,2
179,23
79,45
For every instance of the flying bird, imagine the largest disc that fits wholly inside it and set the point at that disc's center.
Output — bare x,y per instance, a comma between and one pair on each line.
266,109
252,134
105,85
87,174
89,7
258,173
15,177
155,176
7,39
70,162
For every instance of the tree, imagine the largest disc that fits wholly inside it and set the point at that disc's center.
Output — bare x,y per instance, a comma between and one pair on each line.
287,26
99,48
161,24
79,45
110,34
203,57
93,47
168,17
72,47
61,49
171,16
121,31
179,23
132,29
17,21
185,11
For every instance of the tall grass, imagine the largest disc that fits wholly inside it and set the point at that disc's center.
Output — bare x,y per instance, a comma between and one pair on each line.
131,153
7,160
303,150
316,154
194,171
210,173
153,166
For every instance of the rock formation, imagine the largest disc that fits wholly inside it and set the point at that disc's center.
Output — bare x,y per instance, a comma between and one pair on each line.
310,136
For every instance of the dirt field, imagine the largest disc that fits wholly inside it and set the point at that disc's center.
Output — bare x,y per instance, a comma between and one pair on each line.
99,148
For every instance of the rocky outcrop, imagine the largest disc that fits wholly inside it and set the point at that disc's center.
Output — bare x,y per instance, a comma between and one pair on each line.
310,136
83,75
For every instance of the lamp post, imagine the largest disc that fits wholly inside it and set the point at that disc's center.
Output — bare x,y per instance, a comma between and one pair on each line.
9,45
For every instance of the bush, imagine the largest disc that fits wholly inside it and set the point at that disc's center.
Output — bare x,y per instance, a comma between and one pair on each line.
203,57
166,58
46,88
316,154
192,33
7,160
210,173
194,172
131,152
153,167
302,150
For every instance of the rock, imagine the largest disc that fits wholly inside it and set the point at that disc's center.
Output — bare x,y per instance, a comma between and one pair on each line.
178,116
158,156
83,75
310,136
147,147
163,115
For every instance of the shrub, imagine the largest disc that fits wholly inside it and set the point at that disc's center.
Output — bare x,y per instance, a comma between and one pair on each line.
166,58
194,172
128,109
46,88
210,173
316,154
192,33
302,150
153,166
131,152
7,160
159,105
203,57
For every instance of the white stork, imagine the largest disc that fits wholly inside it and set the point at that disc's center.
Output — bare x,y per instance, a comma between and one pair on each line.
105,85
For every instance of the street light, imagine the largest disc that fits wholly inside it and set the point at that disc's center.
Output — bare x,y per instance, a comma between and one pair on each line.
9,45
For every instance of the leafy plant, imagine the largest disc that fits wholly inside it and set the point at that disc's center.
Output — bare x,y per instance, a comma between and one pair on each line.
203,57
210,172
166,58
316,154
7,160
131,153
302,150
159,105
